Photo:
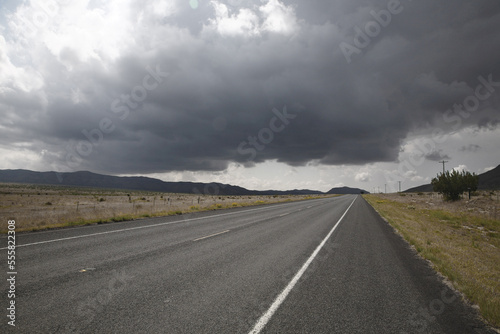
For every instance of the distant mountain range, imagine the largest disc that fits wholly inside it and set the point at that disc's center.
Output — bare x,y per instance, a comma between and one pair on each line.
487,181
88,179
347,190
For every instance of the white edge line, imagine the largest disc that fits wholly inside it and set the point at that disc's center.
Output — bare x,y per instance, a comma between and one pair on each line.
264,319
133,228
211,235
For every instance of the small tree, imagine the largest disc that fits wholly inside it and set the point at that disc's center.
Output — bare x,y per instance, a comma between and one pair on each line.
451,185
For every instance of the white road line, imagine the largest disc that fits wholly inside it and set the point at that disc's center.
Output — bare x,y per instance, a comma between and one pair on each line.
284,214
211,235
136,228
264,319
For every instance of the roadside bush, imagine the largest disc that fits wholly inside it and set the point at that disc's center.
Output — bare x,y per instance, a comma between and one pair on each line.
451,185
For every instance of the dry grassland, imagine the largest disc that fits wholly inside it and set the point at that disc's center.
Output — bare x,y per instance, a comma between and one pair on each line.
461,239
36,207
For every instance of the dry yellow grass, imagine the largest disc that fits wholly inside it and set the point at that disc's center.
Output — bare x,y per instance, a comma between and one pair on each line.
36,207
463,244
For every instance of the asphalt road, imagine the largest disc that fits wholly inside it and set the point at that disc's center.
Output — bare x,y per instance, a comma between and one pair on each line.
318,266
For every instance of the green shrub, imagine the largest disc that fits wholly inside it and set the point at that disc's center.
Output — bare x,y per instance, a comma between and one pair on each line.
451,185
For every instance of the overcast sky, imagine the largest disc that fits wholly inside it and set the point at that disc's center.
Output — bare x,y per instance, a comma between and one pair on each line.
262,94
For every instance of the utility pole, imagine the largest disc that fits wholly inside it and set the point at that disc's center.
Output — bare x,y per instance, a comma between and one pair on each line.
443,162
399,186
385,185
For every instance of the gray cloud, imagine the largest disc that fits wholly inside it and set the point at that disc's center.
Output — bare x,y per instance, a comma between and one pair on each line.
437,156
221,90
470,148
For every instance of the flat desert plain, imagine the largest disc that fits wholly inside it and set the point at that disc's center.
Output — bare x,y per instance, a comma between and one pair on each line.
36,207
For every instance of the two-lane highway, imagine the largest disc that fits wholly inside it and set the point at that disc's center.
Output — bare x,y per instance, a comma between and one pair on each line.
318,266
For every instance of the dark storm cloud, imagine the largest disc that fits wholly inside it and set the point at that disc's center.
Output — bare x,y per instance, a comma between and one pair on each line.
470,148
437,156
216,104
